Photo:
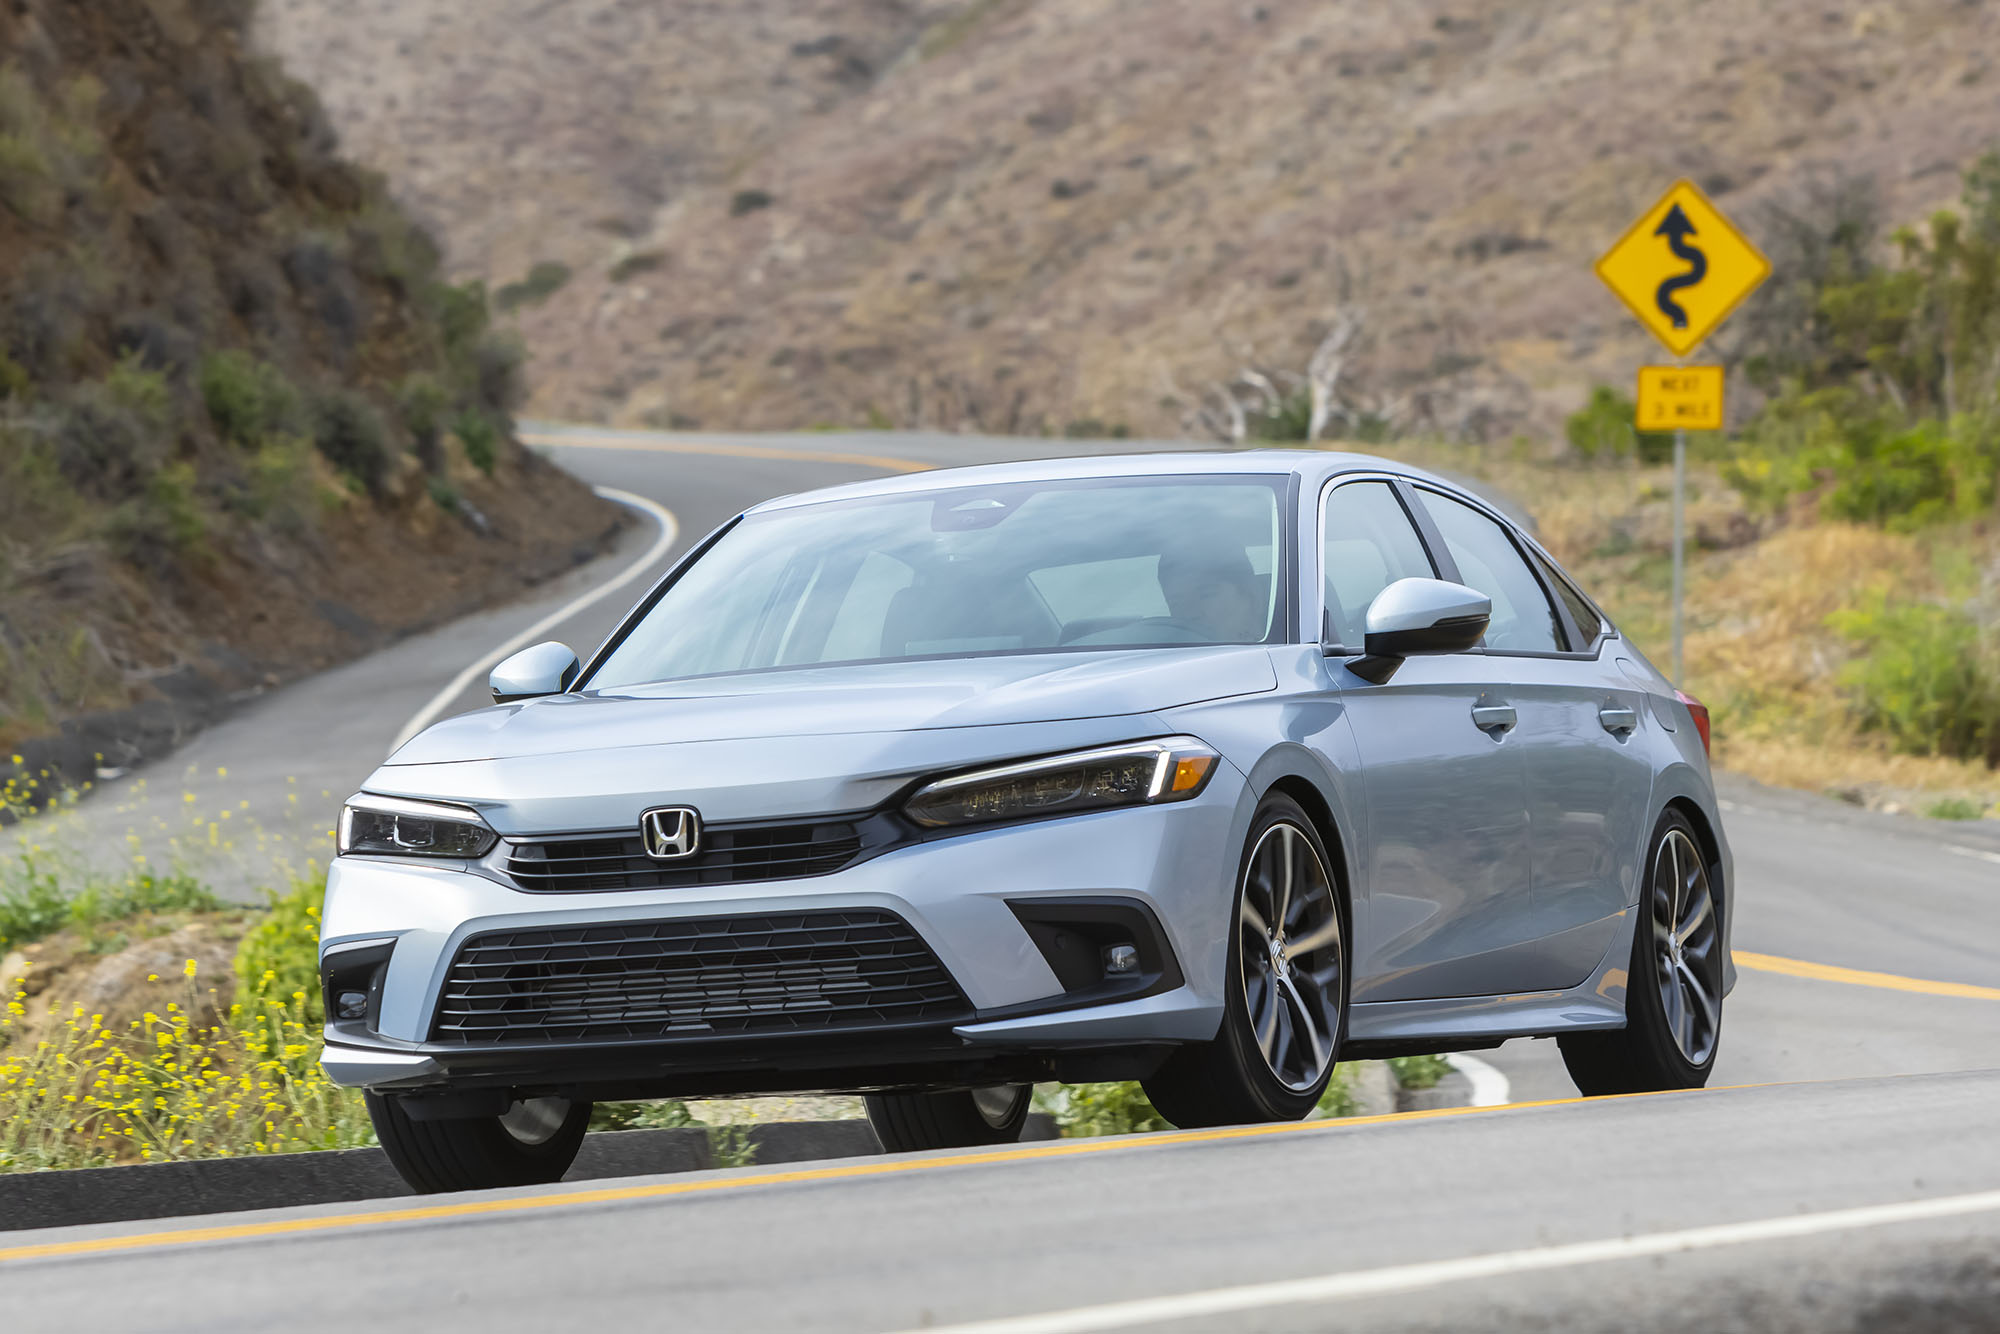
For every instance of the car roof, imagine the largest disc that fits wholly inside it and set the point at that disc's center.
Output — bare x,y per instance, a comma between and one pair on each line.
1312,466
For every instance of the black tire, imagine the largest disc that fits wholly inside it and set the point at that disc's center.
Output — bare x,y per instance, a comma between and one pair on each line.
1231,1080
1673,993
532,1145
956,1119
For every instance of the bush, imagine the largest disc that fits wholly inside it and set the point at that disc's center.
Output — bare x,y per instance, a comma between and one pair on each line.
1288,421
81,1094
279,959
422,402
481,439
348,430
1419,1072
1928,678
1603,429
1101,1109
248,400
543,281
497,363
35,906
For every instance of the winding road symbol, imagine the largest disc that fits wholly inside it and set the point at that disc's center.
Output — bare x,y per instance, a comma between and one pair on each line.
1676,228
1683,289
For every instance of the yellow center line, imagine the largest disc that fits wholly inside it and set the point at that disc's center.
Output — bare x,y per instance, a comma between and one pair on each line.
597,440
710,1185
1858,977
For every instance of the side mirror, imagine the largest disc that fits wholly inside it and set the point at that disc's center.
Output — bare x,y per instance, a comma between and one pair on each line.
545,669
1415,616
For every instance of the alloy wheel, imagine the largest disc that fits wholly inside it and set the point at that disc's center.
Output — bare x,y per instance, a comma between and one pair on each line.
1686,945
1292,956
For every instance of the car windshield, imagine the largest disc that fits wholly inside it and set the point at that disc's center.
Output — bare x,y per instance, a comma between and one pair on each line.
1145,562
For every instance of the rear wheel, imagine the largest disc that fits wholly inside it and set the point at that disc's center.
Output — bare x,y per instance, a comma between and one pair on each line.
1673,995
959,1118
534,1142
1285,1014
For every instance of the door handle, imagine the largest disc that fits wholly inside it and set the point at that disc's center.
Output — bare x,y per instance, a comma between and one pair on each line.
1618,720
1494,718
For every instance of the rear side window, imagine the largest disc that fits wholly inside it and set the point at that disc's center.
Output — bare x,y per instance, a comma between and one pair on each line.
1524,620
1366,543
1589,624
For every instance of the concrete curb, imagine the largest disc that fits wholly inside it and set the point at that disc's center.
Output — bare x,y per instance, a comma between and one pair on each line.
278,1181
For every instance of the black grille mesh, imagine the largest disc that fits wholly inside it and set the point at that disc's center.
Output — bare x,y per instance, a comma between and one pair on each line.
633,980
727,857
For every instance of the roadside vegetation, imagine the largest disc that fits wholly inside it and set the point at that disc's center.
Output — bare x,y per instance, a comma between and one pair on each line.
238,392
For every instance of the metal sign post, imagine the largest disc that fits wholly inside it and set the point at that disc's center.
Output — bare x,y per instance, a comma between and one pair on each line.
1680,540
1680,269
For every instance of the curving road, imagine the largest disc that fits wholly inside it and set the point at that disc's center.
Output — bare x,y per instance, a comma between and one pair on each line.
1851,1181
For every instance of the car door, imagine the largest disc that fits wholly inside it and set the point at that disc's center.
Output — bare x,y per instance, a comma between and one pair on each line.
1588,784
1445,851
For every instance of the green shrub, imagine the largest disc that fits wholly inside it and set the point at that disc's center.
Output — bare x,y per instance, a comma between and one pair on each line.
481,439
443,495
749,201
1083,1110
1419,1072
1288,421
660,1114
34,905
543,281
248,400
279,958
1603,429
636,265
14,381
422,401
1954,808
348,430
1928,678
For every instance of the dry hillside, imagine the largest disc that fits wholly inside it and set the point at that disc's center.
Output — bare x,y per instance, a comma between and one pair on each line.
246,429
1039,214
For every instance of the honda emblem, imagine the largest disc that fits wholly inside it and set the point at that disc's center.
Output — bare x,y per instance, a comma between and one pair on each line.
671,833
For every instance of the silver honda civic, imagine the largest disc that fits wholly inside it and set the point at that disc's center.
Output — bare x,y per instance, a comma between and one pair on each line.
1201,770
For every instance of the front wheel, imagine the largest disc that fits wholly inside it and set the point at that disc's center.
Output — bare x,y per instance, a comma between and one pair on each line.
956,1119
532,1144
1673,993
1285,1014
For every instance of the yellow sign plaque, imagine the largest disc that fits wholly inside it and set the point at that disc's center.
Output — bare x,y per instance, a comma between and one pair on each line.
1682,267
1679,398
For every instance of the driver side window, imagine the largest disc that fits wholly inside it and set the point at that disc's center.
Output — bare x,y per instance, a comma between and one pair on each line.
1367,542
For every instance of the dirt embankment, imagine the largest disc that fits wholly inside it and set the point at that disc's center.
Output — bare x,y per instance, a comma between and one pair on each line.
1056,214
247,427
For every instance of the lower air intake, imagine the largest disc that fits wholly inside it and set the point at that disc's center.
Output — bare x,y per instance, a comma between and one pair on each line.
795,972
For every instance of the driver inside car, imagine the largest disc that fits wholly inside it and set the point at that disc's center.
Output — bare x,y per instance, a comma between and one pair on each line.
1215,592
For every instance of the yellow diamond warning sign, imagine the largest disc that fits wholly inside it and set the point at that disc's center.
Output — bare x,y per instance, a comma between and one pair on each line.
1679,398
1682,268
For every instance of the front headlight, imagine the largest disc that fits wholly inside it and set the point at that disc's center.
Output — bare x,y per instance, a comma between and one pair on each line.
397,827
1173,769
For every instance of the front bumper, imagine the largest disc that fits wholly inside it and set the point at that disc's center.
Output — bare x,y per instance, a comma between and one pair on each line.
961,895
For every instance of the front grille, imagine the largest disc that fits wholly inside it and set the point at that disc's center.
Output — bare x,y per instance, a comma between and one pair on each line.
728,856
787,973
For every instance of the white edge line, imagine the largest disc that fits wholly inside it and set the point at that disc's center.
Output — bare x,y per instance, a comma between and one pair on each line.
1980,853
669,531
1412,1277
1489,1086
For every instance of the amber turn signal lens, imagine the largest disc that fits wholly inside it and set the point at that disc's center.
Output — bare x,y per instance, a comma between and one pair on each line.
1189,772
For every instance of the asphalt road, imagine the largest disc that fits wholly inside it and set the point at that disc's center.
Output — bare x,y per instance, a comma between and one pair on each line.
1869,977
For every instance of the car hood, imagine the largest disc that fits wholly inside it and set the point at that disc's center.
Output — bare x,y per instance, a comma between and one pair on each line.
783,743
870,697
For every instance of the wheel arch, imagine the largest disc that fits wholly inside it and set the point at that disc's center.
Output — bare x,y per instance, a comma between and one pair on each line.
1302,790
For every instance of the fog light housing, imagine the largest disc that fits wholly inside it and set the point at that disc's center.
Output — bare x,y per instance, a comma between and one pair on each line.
1121,958
352,1005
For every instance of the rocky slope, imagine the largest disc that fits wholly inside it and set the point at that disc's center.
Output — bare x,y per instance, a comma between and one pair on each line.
1046,214
246,429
